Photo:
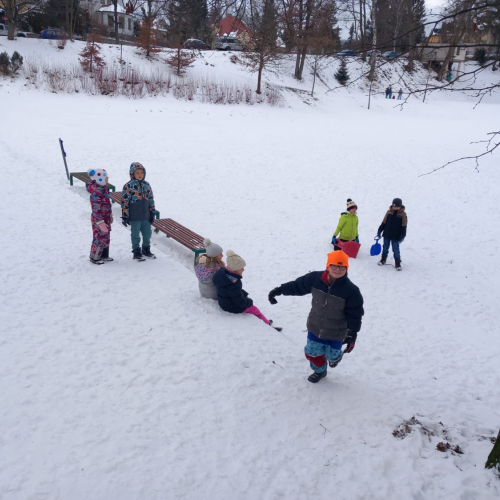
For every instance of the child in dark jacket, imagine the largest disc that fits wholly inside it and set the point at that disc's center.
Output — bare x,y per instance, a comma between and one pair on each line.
101,217
230,294
393,228
138,211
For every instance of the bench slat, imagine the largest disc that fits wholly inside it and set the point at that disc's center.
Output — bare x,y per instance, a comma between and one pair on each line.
180,233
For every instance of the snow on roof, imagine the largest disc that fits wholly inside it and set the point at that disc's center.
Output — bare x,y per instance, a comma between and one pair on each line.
232,26
111,8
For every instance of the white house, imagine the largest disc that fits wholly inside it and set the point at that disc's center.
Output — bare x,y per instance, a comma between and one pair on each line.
105,15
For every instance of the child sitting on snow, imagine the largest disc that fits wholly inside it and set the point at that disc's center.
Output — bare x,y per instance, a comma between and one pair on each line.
230,294
101,217
138,211
206,266
347,226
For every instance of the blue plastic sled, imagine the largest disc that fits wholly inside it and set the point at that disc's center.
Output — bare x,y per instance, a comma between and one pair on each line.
376,248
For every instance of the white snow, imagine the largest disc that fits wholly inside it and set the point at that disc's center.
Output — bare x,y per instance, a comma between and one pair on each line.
121,382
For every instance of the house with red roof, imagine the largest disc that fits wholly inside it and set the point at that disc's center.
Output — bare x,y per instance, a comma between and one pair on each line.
234,27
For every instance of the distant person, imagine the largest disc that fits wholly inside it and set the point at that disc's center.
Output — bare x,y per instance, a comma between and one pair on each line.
393,228
102,216
390,92
335,316
138,211
387,92
347,228
206,266
400,94
231,296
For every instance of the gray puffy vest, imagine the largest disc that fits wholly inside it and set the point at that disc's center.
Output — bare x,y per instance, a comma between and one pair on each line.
327,319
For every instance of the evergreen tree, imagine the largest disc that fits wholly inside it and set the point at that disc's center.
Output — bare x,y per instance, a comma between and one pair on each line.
350,38
418,17
342,75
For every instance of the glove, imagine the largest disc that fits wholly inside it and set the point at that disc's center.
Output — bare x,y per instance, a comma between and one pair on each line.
379,235
151,217
401,240
125,221
357,239
274,293
104,228
350,340
334,239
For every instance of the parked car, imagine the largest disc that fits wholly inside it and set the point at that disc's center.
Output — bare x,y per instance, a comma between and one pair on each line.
4,30
192,43
52,34
228,44
390,54
493,55
22,34
347,53
369,53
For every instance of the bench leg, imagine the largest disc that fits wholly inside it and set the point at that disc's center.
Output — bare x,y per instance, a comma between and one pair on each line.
198,252
70,179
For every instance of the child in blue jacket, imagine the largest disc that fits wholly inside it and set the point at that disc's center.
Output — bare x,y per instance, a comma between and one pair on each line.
138,211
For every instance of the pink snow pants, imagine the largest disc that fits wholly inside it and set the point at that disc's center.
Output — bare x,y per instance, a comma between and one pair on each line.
256,312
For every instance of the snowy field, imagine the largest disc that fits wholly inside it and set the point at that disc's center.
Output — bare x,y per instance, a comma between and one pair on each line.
120,382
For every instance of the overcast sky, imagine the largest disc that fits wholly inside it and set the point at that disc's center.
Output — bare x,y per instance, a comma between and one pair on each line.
434,3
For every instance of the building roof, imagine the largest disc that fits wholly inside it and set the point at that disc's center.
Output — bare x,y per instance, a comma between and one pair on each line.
111,8
232,25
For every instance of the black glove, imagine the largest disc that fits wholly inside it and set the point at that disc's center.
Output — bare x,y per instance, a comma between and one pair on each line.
350,340
125,221
274,293
151,217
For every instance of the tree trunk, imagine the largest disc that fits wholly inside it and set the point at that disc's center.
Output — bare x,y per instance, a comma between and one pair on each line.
302,61
314,77
259,78
444,67
494,456
297,65
115,6
361,30
373,56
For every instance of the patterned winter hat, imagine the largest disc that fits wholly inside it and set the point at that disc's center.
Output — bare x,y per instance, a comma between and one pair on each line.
98,175
135,166
351,204
234,261
212,248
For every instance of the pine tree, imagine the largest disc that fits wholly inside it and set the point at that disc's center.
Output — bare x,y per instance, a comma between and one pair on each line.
90,57
494,457
342,75
16,61
350,38
181,60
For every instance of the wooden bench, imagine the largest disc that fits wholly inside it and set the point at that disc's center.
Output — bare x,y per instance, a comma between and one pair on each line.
182,234
83,176
118,198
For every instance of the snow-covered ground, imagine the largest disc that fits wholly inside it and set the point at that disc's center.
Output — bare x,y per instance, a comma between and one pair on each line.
119,381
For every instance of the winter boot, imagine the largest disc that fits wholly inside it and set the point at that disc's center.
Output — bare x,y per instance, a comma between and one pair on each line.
146,251
138,255
278,328
333,364
316,377
398,265
105,255
382,260
97,262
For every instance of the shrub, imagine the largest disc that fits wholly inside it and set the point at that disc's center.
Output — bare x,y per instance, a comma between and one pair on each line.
4,63
480,56
16,61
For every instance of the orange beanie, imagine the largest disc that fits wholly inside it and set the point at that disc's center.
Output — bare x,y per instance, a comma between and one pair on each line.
337,258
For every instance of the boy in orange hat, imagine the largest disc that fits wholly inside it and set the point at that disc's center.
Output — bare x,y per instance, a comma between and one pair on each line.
336,312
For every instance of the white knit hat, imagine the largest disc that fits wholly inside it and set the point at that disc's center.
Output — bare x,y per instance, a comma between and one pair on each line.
212,248
234,261
98,175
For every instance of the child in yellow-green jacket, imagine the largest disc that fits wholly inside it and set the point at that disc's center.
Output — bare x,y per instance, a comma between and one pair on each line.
347,229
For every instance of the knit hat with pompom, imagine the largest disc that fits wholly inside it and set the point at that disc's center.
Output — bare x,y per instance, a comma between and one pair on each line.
234,261
212,248
351,204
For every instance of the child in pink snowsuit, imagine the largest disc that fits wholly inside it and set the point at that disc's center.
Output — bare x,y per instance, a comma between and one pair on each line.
101,217
230,294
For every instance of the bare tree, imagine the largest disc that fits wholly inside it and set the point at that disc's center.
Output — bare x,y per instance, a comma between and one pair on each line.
15,10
